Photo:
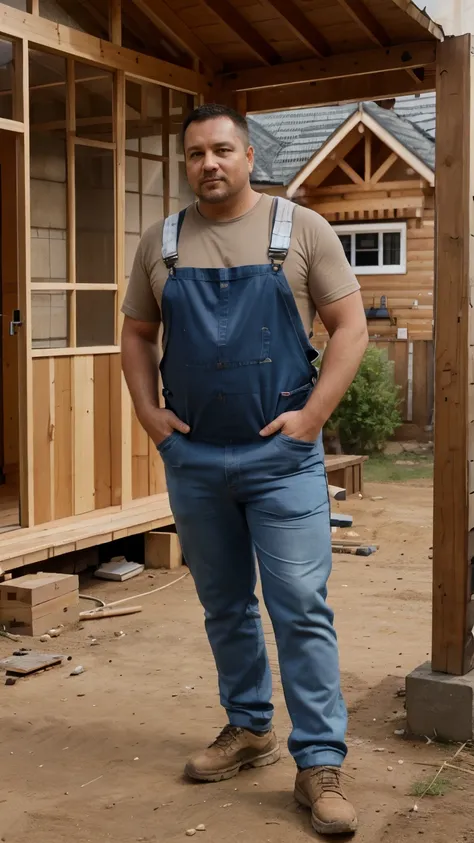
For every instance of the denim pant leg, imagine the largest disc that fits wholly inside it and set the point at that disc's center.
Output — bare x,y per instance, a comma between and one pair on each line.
288,515
218,549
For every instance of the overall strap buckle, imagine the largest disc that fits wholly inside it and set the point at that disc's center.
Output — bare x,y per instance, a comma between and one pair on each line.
282,225
171,232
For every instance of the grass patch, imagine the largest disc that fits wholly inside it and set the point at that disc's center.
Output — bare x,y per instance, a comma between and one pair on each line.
383,468
428,787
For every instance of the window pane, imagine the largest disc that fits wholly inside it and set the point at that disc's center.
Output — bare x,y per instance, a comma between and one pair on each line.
94,102
77,17
95,216
47,92
50,319
392,247
6,79
346,244
367,249
95,322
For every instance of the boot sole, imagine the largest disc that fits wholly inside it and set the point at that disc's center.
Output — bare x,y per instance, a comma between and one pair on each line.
321,827
223,775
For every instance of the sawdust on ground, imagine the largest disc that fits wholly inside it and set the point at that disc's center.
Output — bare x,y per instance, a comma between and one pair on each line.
99,757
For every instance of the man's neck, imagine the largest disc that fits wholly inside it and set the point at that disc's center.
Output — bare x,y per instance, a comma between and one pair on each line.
233,208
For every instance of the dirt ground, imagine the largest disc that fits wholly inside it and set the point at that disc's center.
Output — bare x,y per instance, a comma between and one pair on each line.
99,756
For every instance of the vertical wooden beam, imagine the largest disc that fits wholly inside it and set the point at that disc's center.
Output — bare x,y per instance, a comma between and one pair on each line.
453,643
115,21
25,367
32,7
71,195
165,150
240,102
121,407
368,156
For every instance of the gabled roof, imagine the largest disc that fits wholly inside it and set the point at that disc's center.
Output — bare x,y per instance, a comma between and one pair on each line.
302,133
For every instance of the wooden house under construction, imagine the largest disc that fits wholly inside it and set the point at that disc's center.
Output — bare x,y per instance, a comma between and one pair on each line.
369,169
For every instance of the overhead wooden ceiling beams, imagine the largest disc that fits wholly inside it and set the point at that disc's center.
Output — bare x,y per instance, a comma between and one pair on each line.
301,26
171,25
352,89
229,15
365,19
403,56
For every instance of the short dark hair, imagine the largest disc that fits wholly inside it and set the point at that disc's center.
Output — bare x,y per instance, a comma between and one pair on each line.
211,111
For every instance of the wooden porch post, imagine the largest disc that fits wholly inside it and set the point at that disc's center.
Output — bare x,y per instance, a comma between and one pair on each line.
453,545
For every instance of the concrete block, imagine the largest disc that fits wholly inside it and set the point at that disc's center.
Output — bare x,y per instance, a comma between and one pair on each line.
440,705
162,550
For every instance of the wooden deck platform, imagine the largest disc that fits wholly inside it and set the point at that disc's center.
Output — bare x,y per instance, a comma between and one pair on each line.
30,545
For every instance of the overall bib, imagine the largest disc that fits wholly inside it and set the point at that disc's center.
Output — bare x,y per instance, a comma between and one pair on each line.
236,355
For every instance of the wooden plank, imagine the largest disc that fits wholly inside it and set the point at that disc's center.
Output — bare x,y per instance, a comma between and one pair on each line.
71,42
420,17
170,24
349,171
353,65
352,89
384,167
369,204
368,158
140,478
115,429
115,21
120,138
243,29
71,198
302,27
452,648
63,492
83,414
82,351
102,431
25,362
41,411
366,21
165,148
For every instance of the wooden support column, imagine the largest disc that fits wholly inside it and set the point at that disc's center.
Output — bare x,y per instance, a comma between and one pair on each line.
453,643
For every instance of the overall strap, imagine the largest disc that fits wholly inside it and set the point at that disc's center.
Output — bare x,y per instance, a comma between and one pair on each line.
171,231
283,211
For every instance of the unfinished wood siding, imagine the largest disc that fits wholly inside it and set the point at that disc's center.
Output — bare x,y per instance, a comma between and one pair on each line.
78,436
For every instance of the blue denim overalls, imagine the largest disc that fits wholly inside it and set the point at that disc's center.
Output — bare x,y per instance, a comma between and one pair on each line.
236,355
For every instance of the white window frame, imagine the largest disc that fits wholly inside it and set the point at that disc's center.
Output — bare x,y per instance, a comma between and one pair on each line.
377,228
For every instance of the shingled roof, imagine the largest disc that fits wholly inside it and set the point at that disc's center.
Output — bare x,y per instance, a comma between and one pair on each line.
291,137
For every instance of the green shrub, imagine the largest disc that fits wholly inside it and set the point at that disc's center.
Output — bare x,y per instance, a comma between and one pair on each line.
369,413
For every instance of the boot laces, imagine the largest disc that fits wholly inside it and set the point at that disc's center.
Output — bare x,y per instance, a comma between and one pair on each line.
227,737
329,779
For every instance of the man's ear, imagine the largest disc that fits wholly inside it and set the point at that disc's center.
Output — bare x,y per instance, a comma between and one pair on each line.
251,158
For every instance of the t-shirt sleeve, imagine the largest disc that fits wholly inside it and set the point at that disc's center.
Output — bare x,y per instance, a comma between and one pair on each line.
140,302
330,276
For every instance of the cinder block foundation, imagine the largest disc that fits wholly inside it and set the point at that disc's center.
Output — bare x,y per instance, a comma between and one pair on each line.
440,705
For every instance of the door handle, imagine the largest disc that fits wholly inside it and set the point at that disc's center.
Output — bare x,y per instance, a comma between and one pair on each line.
15,322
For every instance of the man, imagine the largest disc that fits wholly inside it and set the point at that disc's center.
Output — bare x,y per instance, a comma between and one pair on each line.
235,281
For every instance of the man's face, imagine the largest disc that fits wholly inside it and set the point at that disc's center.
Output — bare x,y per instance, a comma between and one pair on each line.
218,161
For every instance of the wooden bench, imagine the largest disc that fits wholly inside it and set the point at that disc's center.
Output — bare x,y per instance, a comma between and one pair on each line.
346,471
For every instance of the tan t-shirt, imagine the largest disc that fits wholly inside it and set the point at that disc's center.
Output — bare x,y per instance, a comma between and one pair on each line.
316,267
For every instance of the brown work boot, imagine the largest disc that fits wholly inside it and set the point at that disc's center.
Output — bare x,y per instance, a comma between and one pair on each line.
233,749
319,788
